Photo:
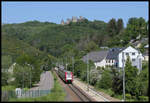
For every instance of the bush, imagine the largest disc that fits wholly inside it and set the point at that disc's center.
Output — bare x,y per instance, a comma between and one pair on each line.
143,98
8,88
106,80
134,97
128,96
8,92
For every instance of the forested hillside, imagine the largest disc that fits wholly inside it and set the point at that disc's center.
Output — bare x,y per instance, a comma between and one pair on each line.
51,37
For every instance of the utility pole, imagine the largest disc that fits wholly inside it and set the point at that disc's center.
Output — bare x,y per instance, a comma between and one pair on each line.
87,72
23,80
66,63
73,64
30,76
123,60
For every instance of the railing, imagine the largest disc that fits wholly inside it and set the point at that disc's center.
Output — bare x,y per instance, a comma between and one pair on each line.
6,95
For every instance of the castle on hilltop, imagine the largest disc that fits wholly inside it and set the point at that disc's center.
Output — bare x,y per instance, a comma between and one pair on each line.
74,19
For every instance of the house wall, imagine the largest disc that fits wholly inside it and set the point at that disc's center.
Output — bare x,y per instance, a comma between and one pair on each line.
135,59
101,63
146,58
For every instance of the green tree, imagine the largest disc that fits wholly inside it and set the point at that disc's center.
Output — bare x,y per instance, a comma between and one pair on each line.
130,78
142,81
32,61
6,61
117,81
91,46
106,80
80,66
135,27
112,27
22,76
119,25
5,77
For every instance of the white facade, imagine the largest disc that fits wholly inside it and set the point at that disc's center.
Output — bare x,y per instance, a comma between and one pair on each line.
135,57
146,58
101,63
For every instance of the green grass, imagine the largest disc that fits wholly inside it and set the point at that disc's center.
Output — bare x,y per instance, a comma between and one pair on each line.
57,94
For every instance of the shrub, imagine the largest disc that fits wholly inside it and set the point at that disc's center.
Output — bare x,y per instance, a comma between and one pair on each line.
128,96
106,80
143,98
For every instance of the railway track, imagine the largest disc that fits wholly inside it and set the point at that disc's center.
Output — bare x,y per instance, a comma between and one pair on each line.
79,93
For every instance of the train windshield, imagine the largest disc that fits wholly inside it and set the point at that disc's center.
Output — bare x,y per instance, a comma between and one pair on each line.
69,74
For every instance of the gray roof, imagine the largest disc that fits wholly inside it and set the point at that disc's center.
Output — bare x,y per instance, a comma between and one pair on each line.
96,56
113,53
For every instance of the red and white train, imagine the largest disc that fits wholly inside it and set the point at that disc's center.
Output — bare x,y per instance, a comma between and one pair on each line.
67,76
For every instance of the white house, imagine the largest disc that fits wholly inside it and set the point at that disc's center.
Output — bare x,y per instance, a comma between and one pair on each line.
114,57
10,70
135,57
146,53
98,57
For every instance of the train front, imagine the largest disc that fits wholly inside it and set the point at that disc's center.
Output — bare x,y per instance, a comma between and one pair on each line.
68,77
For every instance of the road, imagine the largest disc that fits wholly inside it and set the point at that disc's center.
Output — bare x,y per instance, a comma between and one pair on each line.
46,81
43,87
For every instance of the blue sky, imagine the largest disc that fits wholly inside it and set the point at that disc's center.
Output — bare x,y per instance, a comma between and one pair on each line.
18,12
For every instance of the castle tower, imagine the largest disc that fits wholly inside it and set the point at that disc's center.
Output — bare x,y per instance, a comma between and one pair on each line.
80,17
68,21
74,19
62,22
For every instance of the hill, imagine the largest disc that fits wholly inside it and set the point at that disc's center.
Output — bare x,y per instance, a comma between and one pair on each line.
13,47
80,36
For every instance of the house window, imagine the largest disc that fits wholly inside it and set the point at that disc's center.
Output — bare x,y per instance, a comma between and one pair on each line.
127,54
133,53
133,60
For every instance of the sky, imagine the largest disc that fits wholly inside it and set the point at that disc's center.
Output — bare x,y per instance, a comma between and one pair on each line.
18,12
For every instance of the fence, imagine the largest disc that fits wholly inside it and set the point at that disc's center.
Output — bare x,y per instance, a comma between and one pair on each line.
6,95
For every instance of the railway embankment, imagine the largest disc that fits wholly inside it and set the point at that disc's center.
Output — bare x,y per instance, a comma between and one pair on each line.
96,95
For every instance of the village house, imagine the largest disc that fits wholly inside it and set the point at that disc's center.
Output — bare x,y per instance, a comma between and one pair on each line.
135,57
98,57
114,57
146,53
